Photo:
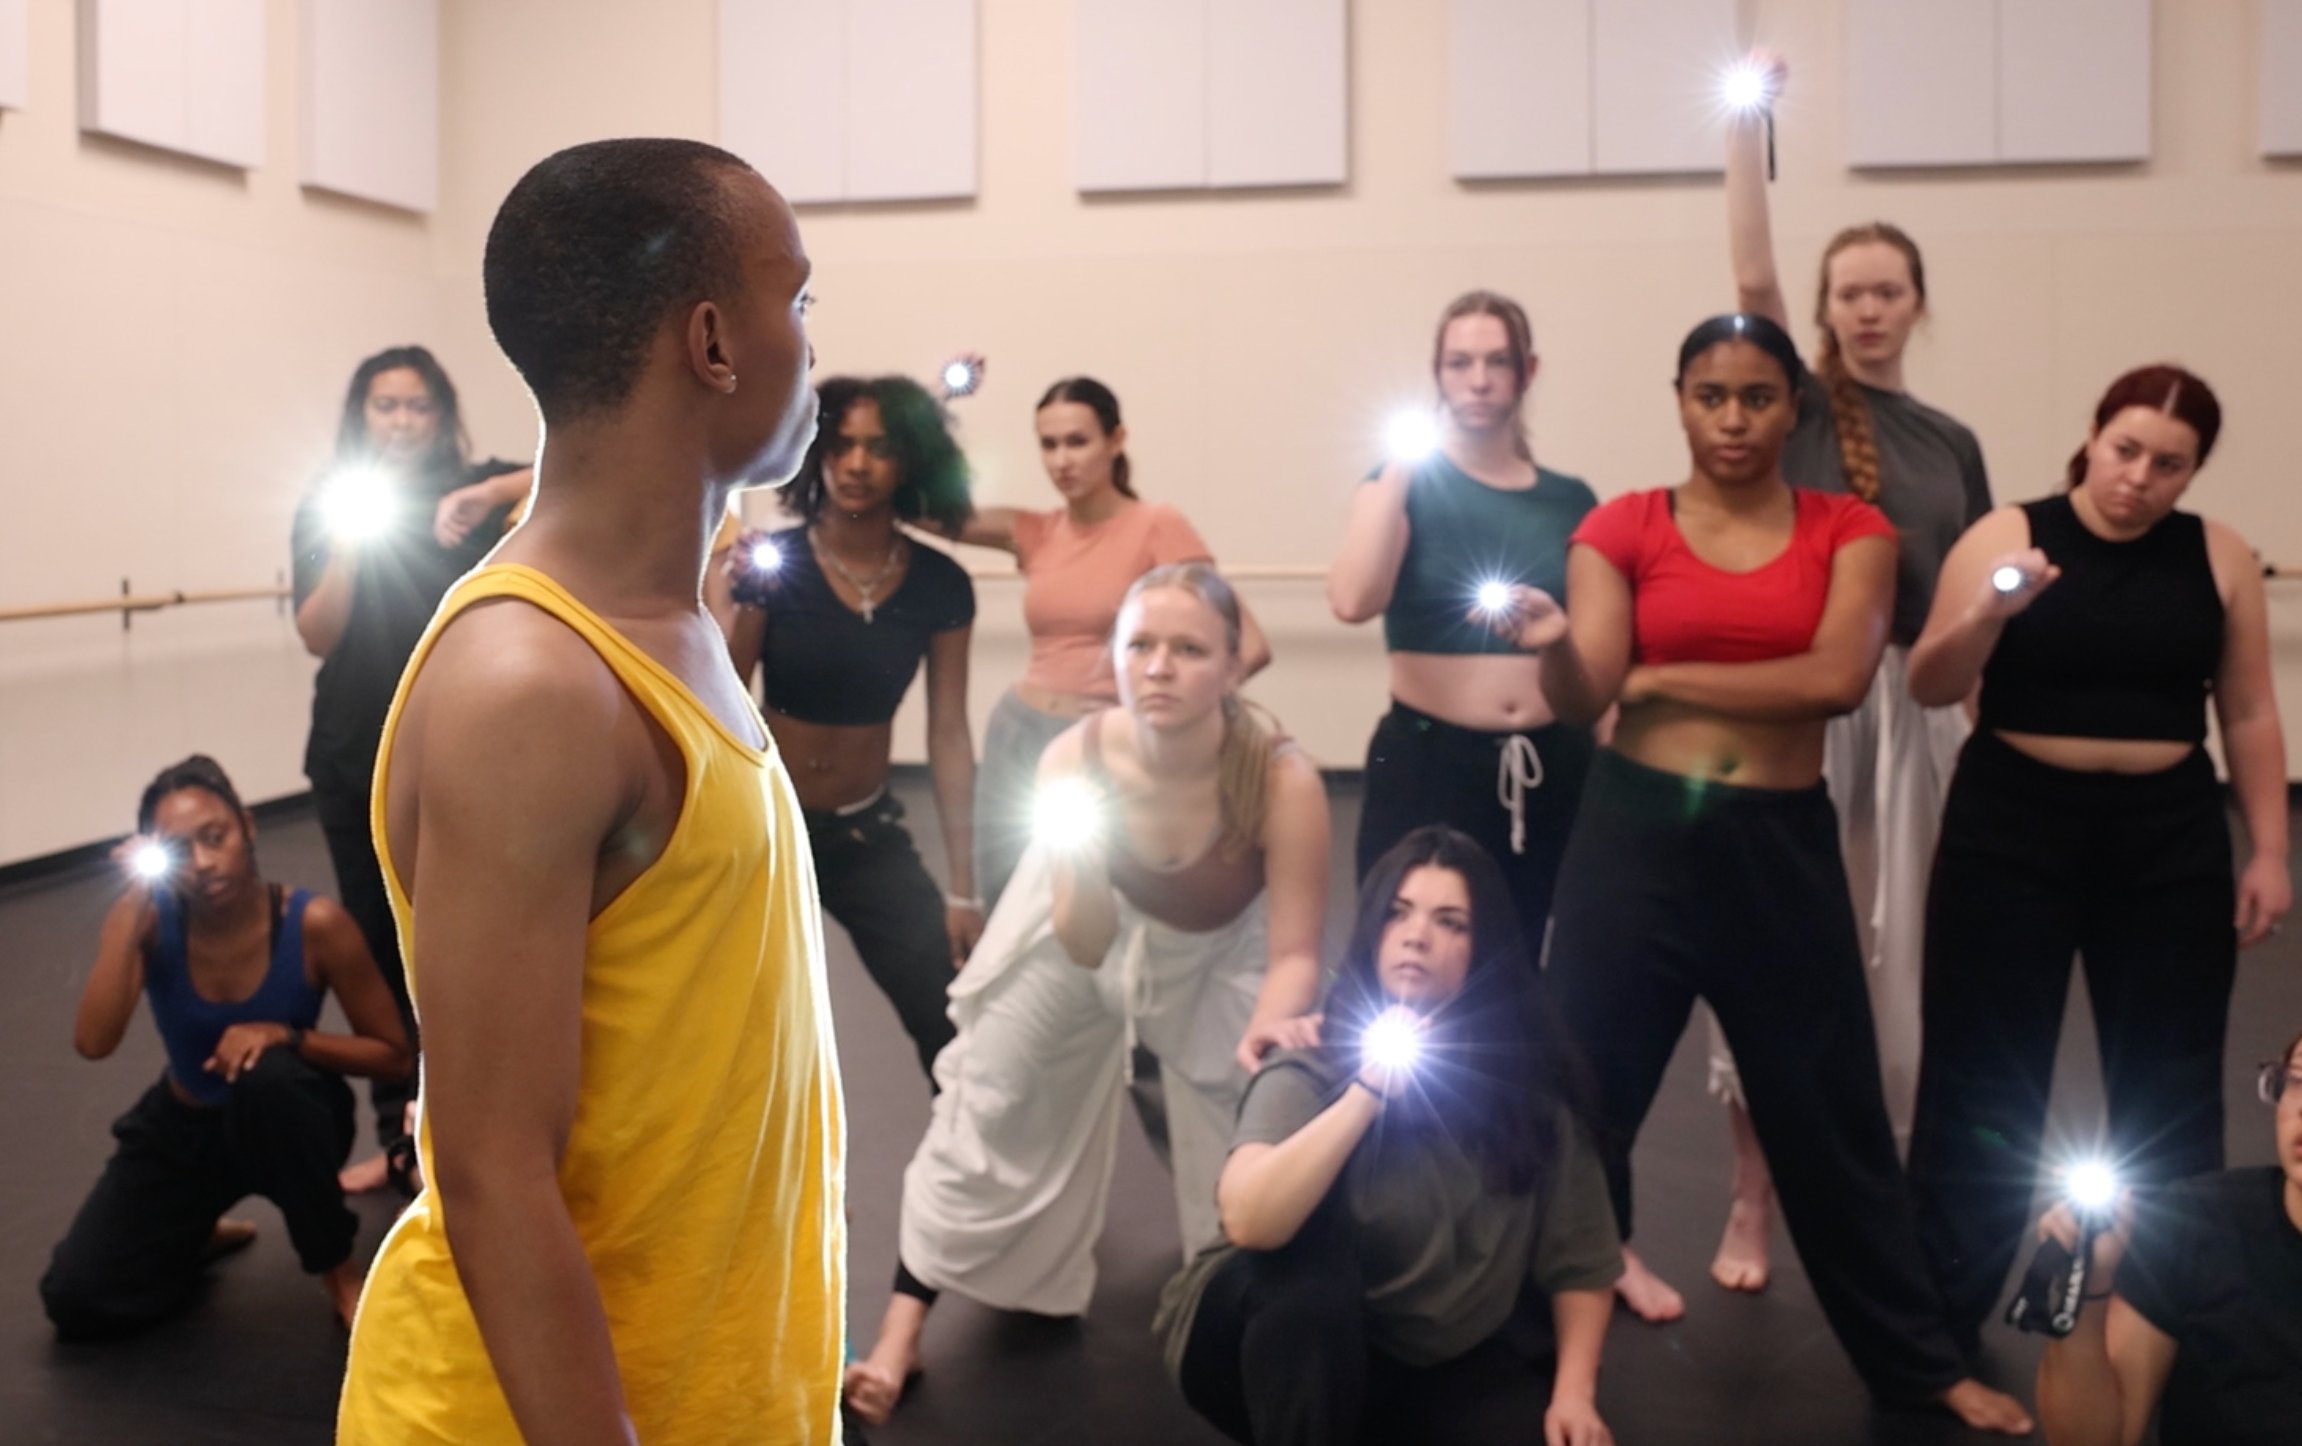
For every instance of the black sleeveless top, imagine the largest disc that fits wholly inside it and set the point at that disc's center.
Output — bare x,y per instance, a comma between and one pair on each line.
2125,644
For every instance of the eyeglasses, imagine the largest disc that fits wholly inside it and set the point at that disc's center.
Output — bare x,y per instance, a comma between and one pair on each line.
2278,1080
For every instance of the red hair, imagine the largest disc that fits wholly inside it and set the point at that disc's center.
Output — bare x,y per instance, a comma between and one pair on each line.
2179,393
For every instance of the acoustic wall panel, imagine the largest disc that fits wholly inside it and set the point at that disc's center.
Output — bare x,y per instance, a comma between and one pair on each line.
909,111
1518,88
183,75
1655,71
2280,97
1140,104
369,100
1922,82
2073,80
15,54
782,93
1277,73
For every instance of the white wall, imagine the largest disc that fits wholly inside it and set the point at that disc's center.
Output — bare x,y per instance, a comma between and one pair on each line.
1256,338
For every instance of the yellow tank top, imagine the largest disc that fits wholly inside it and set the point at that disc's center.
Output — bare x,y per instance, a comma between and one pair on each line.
704,1170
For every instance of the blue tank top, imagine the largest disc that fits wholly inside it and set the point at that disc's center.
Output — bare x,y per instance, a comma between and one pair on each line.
1461,533
190,1025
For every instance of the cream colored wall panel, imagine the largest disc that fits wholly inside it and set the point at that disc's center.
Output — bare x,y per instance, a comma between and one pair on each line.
368,103
909,108
1139,94
182,75
1655,70
1518,88
1277,88
15,54
2279,97
1921,82
782,93
2074,80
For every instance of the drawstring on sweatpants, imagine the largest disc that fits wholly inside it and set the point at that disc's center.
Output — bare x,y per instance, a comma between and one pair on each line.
1519,769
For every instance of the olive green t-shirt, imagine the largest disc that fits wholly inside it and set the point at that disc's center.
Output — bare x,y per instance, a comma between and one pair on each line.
1443,1257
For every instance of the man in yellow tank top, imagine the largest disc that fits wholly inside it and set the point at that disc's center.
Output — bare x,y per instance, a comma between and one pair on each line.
631,1116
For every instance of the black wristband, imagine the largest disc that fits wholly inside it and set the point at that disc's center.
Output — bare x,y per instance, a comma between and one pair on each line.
1380,1097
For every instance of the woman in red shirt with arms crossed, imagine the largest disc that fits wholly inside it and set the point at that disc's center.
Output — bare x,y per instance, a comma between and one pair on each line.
1731,617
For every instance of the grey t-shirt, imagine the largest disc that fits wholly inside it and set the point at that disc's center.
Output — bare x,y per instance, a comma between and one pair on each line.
1443,1256
1932,484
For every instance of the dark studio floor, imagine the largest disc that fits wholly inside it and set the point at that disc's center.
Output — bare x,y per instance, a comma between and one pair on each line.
258,1359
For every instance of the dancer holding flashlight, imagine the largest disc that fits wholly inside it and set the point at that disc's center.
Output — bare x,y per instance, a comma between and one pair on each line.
838,614
1391,1193
253,1101
2085,819
400,515
1432,545
1887,763
1173,895
1078,561
2193,1306
1730,617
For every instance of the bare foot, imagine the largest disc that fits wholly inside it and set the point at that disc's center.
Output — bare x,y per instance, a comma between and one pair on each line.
343,1287
228,1237
874,1384
1987,1410
1646,1293
1741,1263
364,1175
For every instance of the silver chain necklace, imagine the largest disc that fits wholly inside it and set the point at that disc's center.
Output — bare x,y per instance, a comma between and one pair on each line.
868,587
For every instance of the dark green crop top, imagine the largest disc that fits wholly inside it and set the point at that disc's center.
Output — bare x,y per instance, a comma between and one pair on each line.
1462,533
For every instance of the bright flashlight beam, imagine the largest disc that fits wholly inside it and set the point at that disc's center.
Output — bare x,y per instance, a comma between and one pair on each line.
2091,1185
1494,597
2007,579
960,377
359,505
766,557
1067,815
151,861
1394,1042
1410,436
1745,87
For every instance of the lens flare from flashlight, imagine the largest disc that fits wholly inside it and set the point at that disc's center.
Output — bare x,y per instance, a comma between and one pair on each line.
2091,1185
1067,815
359,504
766,556
1410,436
1394,1042
1494,597
2008,579
960,377
1745,88
151,861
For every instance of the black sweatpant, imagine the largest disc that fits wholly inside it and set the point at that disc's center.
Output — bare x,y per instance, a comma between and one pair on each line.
2037,863
873,883
134,1253
360,889
1674,888
1279,1355
1422,770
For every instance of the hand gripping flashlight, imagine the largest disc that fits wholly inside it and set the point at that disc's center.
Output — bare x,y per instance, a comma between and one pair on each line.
358,504
151,862
2008,579
1744,89
1410,436
1067,815
1393,1042
1493,597
961,376
2054,1290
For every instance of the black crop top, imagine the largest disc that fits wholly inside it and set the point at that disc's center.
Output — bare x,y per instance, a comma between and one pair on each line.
2125,644
820,662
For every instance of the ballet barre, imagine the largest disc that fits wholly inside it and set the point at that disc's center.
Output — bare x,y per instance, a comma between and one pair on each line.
129,602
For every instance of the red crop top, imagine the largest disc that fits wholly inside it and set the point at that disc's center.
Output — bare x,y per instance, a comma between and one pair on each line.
1684,610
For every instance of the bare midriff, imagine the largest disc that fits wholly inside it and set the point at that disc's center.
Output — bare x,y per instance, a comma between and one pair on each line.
1491,692
1673,738
2100,755
832,764
1066,705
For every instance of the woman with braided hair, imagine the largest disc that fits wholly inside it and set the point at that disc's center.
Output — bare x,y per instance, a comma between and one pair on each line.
1888,763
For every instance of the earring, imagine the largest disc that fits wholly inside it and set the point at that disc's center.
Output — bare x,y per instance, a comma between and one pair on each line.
731,381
